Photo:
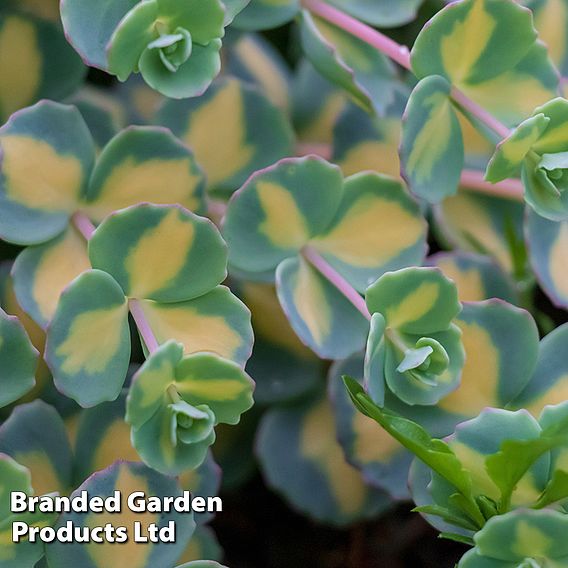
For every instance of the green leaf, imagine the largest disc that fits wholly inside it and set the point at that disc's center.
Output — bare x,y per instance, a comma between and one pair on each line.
381,13
433,452
31,43
42,272
89,371
233,129
367,75
47,158
447,515
415,300
432,153
322,317
126,477
510,152
34,435
503,68
134,164
162,253
202,564
175,402
556,489
266,14
548,242
18,360
301,458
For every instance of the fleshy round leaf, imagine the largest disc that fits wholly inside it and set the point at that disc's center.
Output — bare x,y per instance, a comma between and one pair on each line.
302,460
520,536
233,131
202,564
360,144
415,300
501,345
257,61
192,78
103,437
432,152
504,62
510,152
548,249
217,322
352,244
18,360
481,224
476,277
175,402
382,460
15,477
47,157
34,435
266,14
162,253
321,316
90,25
42,272
380,13
32,44
279,210
349,62
90,371
144,164
550,380
283,368
127,478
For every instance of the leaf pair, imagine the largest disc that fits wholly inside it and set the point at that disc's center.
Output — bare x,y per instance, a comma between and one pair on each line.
49,172
503,69
168,263
175,402
301,205
414,346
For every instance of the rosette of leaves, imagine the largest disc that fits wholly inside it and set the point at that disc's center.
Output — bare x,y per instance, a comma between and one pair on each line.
175,402
50,172
163,263
524,537
299,208
505,73
175,45
31,40
538,148
414,347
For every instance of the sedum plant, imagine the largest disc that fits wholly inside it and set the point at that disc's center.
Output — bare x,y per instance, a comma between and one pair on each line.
201,238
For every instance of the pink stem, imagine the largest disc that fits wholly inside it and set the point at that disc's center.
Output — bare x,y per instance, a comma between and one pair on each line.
84,225
383,43
396,52
480,113
509,188
143,326
321,265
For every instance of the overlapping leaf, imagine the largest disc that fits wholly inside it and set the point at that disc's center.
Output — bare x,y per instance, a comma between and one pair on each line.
175,402
302,459
125,477
303,203
233,129
127,252
414,346
29,46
